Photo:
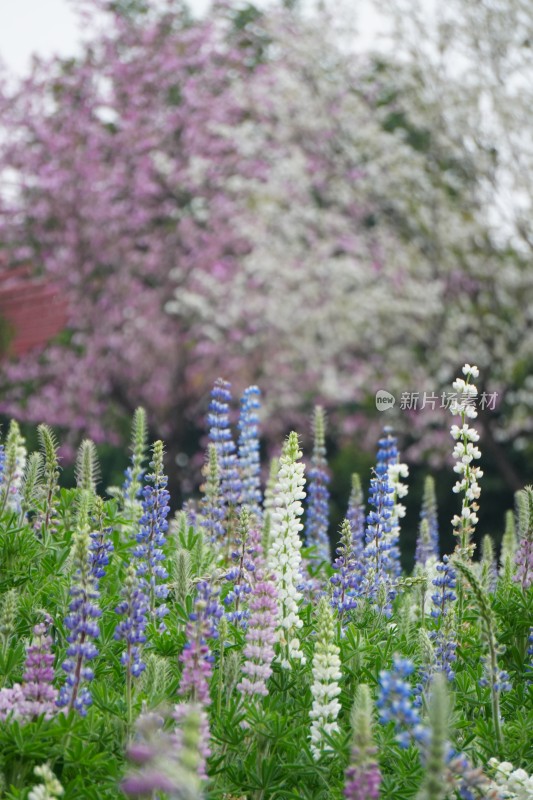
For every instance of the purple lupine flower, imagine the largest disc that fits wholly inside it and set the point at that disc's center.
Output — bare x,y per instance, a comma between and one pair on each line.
362,782
213,508
377,584
135,608
260,637
242,572
39,694
427,547
347,575
396,703
81,622
220,436
196,656
249,462
151,537
317,521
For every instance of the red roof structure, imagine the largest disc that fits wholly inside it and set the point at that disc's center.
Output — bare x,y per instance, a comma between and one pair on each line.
33,308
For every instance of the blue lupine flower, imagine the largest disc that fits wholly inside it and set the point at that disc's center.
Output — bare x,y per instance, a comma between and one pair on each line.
151,537
249,461
133,475
81,622
101,545
317,521
134,607
445,583
377,583
387,457
395,703
347,575
427,548
220,436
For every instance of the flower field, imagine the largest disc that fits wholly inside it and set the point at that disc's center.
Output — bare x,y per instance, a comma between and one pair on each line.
225,652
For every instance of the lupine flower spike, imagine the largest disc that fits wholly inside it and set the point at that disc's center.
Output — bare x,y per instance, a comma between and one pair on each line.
466,452
87,467
377,583
133,482
49,789
347,576
396,703
508,550
260,638
284,556
325,688
46,519
83,628
355,515
248,444
213,511
427,547
363,776
316,529
524,554
135,609
220,435
389,457
196,657
152,535
437,751
13,463
37,688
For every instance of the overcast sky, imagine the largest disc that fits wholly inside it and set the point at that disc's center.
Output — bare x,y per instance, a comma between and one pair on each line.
43,26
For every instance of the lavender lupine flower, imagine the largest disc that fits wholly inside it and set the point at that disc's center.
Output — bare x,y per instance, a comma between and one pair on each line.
355,515
101,545
284,556
524,553
167,762
396,703
466,452
363,776
11,702
134,608
249,462
151,537
347,575
213,509
196,656
317,522
39,694
377,583
242,572
260,637
427,547
325,688
220,436
81,622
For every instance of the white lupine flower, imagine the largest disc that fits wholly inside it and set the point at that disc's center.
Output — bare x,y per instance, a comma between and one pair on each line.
49,789
515,783
465,452
284,554
326,676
